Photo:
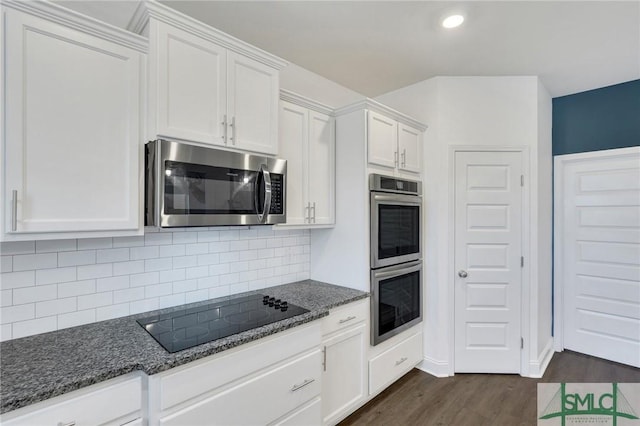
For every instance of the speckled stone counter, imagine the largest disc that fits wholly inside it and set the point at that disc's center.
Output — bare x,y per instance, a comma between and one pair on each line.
39,367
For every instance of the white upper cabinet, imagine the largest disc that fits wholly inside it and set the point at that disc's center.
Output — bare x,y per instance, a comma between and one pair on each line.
307,142
383,140
409,144
208,87
72,151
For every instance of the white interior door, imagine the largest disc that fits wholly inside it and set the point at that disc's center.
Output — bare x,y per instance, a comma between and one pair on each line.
488,250
601,251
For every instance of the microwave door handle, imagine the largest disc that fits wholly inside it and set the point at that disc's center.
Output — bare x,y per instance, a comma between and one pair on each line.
267,195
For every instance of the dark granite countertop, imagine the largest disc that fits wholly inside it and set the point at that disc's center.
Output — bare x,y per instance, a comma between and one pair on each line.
39,367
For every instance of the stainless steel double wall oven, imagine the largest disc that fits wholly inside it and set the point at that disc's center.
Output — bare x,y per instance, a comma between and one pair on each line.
396,255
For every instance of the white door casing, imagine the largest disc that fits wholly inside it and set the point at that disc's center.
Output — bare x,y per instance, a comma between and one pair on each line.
597,254
488,247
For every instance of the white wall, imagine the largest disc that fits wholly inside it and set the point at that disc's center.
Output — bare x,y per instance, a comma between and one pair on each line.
50,285
481,111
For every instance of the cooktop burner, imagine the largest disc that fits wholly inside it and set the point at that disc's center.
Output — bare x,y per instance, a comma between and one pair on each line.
187,328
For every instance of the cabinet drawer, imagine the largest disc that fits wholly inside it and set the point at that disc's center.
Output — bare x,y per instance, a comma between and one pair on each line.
117,399
269,396
196,378
307,415
391,364
345,316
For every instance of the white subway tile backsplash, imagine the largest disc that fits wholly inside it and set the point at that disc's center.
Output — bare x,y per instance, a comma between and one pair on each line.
17,247
112,255
128,268
95,243
128,241
112,283
95,271
75,258
17,313
6,264
74,319
76,288
55,307
6,298
34,326
128,295
113,311
150,252
28,262
147,278
35,294
54,284
55,275
52,246
17,279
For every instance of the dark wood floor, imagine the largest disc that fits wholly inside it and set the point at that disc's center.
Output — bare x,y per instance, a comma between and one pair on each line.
480,399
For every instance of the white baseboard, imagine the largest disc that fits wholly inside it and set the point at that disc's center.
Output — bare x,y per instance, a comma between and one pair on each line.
434,367
538,367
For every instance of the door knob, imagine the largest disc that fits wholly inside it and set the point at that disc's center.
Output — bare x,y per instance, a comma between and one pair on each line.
462,273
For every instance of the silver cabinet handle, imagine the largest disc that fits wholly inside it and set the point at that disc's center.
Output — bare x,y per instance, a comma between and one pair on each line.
314,212
324,359
14,210
71,423
303,384
462,273
404,158
224,129
403,359
342,321
233,130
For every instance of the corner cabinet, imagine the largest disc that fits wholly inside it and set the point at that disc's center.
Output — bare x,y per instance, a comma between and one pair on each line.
208,87
72,146
307,142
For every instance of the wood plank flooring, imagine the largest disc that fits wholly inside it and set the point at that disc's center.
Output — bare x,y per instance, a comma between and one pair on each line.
480,399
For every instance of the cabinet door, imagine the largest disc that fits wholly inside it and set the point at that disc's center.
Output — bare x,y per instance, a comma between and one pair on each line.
409,140
383,140
293,148
321,167
344,377
253,92
190,93
73,140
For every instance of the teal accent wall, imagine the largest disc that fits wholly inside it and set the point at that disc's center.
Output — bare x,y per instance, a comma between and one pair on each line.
599,119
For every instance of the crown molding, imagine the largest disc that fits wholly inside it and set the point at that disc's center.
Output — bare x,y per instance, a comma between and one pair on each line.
139,20
69,18
372,105
160,12
303,101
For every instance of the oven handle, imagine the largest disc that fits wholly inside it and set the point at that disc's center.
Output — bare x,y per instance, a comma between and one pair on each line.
397,270
267,194
396,198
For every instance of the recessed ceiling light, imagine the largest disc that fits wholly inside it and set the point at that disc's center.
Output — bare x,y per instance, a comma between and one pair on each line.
452,21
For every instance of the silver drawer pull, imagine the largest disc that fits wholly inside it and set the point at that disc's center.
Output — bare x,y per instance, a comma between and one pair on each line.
342,321
71,423
14,210
403,359
303,384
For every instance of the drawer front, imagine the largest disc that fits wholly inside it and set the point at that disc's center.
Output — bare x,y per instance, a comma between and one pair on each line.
183,383
118,399
344,316
308,415
393,363
258,400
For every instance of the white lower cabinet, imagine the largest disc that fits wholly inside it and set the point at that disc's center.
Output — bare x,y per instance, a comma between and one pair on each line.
273,380
393,363
344,378
114,402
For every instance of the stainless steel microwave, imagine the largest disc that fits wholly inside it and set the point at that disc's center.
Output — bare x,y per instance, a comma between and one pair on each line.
188,185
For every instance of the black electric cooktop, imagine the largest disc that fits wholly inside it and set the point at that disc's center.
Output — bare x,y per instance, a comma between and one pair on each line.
187,328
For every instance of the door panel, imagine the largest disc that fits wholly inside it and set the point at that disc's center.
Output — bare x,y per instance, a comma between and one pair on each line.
409,140
488,246
601,249
383,140
293,134
321,171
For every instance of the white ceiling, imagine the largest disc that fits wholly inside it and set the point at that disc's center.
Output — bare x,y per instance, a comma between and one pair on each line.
374,47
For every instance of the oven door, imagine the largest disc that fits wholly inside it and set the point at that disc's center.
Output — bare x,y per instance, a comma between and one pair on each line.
396,235
396,302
